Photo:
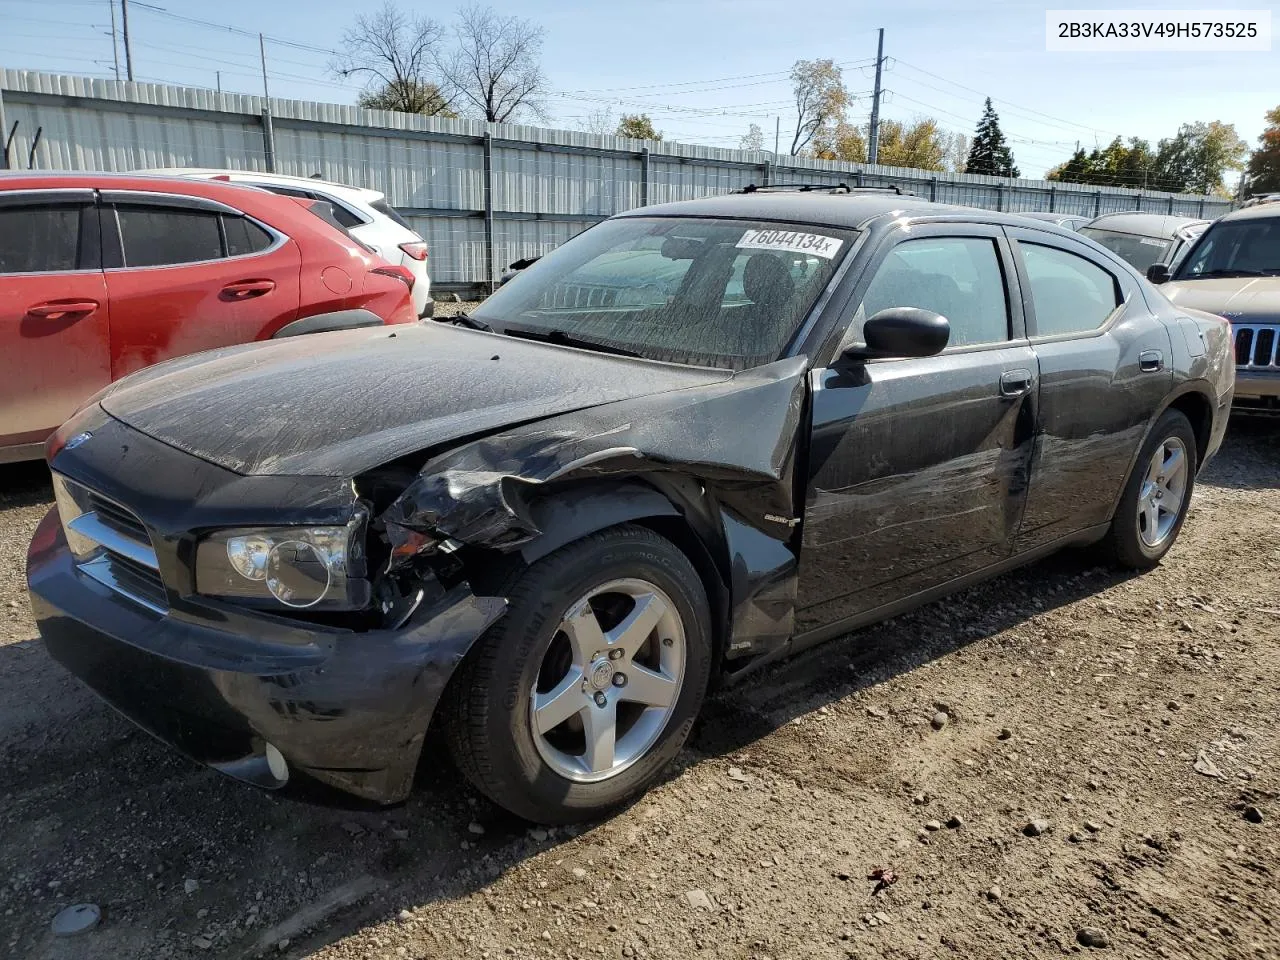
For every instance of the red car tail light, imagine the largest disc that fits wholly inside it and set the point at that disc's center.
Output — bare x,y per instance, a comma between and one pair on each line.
416,249
397,271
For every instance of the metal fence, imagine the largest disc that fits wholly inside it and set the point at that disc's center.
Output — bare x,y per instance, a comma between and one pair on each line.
481,194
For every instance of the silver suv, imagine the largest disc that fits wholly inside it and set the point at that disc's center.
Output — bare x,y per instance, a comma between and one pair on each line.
1234,271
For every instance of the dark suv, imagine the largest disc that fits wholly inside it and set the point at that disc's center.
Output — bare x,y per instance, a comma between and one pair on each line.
694,439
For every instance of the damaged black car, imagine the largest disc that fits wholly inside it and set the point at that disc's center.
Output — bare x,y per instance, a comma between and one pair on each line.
693,440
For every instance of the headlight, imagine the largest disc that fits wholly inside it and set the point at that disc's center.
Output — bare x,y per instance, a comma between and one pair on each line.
300,567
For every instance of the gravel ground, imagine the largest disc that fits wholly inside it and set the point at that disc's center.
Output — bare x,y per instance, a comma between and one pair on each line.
1063,760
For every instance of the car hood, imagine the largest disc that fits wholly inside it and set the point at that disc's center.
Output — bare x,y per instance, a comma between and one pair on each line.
336,404
1236,298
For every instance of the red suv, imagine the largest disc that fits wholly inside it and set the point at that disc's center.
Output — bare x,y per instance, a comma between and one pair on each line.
101,275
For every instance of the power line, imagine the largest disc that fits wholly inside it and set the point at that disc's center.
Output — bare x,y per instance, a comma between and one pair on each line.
748,76
1001,100
252,34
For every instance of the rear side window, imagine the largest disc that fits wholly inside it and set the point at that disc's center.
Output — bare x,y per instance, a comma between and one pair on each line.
244,236
1070,294
164,236
957,277
1139,252
157,236
340,213
343,215
39,239
387,210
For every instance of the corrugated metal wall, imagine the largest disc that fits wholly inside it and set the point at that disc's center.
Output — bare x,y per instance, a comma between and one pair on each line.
547,185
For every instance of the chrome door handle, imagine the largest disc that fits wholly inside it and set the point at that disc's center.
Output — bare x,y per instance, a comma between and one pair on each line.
1150,361
1014,383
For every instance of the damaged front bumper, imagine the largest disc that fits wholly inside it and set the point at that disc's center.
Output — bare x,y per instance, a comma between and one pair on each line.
240,694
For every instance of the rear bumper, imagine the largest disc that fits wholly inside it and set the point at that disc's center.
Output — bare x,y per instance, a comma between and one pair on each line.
349,710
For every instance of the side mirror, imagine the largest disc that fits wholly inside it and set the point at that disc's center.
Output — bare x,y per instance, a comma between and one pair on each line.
901,332
1158,273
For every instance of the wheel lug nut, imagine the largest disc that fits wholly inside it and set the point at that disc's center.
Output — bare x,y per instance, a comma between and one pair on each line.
601,700
619,679
615,654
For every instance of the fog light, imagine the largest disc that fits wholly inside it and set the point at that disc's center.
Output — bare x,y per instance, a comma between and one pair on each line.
276,764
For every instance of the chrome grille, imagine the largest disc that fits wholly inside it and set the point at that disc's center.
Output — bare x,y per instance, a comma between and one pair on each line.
110,544
1256,347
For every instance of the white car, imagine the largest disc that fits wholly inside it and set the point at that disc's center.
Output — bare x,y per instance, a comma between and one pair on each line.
365,214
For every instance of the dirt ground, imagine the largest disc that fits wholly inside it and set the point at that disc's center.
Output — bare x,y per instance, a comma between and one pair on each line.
1130,722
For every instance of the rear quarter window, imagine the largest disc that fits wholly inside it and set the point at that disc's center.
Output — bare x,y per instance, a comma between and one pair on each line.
387,210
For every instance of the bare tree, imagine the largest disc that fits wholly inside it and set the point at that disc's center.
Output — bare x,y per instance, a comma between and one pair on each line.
753,139
600,122
396,54
821,99
495,68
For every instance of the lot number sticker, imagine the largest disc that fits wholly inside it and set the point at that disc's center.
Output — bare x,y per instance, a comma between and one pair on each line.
791,241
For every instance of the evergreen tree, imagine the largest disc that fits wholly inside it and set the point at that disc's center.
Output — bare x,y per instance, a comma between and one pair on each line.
990,155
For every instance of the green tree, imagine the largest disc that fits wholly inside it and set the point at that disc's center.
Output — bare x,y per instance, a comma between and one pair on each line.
1263,173
922,144
989,154
820,99
840,140
407,96
637,126
1198,157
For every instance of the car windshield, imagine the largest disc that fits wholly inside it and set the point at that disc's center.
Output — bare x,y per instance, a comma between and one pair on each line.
1235,248
707,292
1138,251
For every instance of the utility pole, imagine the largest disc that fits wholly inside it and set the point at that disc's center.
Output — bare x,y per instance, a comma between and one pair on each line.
873,135
262,50
115,48
128,50
777,133
219,75
268,130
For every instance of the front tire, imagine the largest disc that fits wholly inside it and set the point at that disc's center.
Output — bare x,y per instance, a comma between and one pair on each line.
587,688
1157,495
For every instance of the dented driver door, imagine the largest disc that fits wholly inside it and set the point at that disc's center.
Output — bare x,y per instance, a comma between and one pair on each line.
919,468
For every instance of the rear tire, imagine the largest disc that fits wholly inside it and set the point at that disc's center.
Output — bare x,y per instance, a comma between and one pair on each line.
575,701
1157,495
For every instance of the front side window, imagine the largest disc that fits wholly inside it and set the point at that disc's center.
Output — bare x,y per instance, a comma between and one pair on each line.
39,239
1235,248
1070,294
722,293
1137,251
957,277
154,236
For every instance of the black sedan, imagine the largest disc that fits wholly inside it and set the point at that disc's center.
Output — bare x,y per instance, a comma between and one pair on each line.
691,441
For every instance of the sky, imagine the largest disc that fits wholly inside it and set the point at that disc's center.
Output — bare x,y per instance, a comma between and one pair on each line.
705,70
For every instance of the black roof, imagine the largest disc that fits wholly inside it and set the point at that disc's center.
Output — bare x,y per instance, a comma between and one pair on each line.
851,211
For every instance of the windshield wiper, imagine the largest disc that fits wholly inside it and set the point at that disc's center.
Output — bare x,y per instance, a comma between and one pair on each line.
1232,273
560,338
465,320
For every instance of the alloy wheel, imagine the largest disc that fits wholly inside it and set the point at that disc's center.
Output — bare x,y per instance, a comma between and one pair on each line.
609,680
1164,489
